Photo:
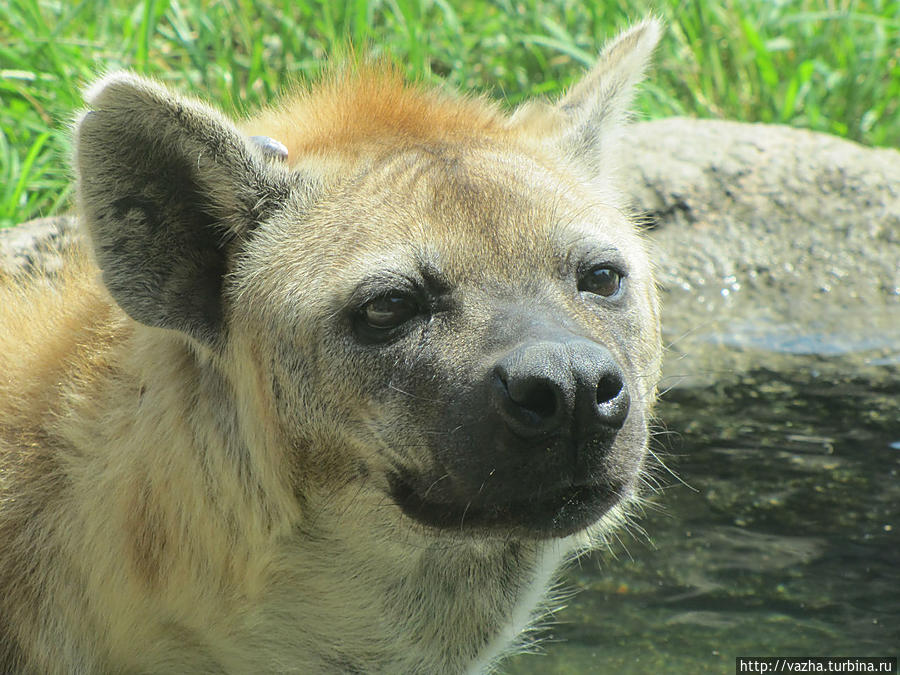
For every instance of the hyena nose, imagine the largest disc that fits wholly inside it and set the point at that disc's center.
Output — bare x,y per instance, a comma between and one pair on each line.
540,387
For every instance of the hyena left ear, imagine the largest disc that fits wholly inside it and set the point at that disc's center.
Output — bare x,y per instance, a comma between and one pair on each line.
166,185
594,107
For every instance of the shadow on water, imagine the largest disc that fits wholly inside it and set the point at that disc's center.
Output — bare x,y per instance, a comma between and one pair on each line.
786,545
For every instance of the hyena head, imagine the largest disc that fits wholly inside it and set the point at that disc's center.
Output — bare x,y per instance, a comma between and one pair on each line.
429,307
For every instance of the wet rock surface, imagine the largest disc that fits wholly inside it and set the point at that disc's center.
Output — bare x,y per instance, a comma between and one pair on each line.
770,242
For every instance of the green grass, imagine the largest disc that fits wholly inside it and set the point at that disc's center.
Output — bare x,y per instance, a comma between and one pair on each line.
828,65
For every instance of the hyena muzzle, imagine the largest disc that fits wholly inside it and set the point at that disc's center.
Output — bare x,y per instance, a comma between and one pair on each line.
335,389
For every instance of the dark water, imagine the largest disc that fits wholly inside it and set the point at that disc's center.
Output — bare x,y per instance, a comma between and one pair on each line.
787,541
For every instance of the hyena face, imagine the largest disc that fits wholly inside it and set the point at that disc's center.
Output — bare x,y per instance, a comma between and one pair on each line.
470,330
362,371
444,310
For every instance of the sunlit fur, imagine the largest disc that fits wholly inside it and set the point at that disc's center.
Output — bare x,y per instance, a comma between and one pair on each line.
167,502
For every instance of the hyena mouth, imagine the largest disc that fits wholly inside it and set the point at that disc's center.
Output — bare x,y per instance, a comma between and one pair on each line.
556,514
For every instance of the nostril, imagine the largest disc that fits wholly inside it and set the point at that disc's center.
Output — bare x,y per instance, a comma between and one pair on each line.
537,397
609,388
528,402
613,401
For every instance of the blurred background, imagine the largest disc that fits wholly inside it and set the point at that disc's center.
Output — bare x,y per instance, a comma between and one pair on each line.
827,65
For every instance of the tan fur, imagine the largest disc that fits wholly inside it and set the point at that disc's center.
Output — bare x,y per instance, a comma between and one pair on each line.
197,451
358,108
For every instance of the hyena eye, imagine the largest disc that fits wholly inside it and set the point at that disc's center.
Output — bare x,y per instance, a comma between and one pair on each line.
389,311
601,280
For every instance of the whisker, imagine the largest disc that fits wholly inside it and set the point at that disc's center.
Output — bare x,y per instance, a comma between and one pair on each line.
690,331
670,472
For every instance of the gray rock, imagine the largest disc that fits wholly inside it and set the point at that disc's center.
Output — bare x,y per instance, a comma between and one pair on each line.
771,243
772,204
37,246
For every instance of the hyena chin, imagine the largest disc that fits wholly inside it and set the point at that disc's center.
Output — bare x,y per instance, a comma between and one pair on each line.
332,390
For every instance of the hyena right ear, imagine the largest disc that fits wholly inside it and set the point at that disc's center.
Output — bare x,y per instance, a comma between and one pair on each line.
165,186
589,114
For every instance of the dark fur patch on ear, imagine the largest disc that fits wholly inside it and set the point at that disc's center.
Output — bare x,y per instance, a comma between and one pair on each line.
166,185
179,282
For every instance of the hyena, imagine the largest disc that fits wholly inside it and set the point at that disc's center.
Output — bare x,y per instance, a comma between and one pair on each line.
335,389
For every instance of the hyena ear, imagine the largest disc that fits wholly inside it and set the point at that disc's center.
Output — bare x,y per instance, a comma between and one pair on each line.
166,185
595,106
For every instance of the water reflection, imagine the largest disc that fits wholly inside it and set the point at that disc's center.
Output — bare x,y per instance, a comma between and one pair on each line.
788,546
